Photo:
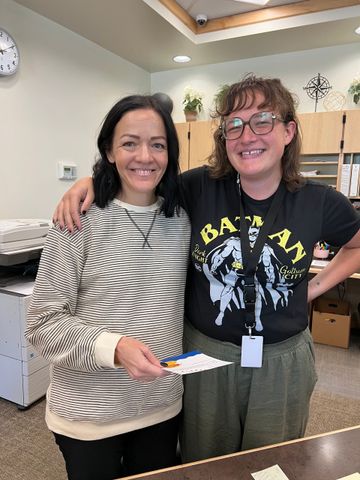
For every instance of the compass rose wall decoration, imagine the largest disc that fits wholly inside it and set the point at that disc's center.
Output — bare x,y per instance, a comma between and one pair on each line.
317,88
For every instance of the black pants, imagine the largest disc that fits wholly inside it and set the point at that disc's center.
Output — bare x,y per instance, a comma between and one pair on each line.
131,453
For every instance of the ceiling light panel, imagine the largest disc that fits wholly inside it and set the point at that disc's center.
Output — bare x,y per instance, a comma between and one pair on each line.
181,58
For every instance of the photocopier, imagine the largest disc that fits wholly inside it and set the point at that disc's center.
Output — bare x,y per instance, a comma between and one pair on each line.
20,237
24,373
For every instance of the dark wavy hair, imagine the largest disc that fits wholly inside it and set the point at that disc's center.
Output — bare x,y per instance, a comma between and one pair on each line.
107,182
276,98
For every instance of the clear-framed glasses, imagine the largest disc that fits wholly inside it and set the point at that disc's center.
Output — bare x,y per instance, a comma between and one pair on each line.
260,123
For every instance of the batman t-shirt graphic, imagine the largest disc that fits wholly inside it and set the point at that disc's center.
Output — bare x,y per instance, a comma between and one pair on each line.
215,286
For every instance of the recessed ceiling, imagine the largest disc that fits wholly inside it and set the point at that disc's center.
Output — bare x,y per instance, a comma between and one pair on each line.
149,33
225,8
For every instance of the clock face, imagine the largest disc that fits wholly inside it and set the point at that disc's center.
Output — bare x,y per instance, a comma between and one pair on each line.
9,54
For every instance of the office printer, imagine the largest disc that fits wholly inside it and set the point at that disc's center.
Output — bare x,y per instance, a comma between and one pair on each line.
24,373
21,239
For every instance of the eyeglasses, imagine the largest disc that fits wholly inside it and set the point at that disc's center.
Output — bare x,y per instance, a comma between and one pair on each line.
260,123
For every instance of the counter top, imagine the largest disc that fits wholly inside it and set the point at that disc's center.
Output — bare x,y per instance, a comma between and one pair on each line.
322,457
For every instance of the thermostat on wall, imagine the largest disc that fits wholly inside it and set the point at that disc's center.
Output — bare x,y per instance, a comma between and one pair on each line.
66,171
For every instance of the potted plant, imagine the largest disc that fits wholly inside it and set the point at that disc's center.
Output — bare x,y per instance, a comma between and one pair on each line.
220,95
354,89
192,104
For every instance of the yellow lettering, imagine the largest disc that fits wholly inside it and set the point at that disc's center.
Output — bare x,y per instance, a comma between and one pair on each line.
208,233
300,252
283,237
199,258
256,221
226,225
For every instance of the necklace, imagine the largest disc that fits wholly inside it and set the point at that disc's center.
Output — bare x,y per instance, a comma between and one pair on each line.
145,237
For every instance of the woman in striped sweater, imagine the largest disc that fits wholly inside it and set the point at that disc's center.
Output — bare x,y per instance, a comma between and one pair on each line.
108,304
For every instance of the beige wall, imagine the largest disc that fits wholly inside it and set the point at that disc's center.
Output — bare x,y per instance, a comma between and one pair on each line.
52,108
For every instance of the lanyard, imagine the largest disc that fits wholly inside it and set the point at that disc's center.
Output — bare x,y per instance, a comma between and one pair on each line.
250,255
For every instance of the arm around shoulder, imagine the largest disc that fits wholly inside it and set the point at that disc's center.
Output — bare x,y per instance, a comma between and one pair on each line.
78,198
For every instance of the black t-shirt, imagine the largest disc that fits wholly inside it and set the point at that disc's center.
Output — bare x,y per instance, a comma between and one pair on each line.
214,294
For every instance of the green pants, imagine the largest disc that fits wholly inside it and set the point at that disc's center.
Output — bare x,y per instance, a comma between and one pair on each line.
232,408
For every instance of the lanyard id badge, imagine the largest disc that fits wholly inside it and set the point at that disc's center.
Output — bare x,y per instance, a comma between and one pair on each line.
251,351
252,346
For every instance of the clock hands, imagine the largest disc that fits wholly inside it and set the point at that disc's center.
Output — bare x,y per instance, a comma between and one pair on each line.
2,50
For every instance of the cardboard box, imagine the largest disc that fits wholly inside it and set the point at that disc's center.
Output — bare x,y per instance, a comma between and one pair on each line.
331,322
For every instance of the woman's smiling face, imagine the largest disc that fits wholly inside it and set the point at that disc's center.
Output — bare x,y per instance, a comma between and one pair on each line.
258,157
139,151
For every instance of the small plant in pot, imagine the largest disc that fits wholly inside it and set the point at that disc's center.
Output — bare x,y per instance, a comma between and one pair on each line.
354,89
193,104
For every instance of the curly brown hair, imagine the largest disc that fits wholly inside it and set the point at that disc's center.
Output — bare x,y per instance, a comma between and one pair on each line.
278,99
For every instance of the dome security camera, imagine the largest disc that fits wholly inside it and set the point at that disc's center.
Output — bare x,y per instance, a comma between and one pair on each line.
201,19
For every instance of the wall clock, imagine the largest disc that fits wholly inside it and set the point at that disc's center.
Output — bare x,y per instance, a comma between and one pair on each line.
9,54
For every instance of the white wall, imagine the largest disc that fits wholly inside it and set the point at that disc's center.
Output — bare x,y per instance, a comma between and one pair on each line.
52,108
338,64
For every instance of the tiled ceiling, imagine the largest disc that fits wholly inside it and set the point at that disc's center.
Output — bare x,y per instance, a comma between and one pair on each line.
149,33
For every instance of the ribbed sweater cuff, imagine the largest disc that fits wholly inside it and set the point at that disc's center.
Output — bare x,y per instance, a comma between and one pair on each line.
105,346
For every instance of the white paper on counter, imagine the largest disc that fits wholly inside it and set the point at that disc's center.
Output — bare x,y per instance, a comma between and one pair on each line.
319,263
191,362
354,476
271,473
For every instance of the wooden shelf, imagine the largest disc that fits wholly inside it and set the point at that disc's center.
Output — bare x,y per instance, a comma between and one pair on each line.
323,162
320,176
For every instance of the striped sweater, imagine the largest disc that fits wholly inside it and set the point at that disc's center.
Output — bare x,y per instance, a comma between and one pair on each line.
122,274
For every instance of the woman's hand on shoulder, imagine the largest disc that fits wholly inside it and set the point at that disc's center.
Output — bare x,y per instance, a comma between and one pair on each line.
138,360
79,196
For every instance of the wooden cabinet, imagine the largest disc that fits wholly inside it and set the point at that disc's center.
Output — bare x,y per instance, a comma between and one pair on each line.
350,168
321,132
352,131
201,142
321,146
331,149
183,132
196,142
